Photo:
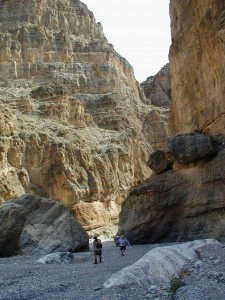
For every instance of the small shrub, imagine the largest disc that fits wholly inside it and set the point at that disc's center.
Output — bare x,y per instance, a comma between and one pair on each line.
175,284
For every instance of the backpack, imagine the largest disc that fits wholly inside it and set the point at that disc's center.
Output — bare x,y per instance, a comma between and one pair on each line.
98,245
126,243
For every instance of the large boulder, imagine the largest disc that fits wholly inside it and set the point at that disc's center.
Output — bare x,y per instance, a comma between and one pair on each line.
159,162
159,265
190,148
12,219
36,225
177,205
56,258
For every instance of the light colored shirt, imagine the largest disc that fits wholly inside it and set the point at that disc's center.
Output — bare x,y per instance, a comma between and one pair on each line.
123,242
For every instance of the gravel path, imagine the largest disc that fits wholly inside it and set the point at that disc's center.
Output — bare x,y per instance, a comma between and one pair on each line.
21,278
204,279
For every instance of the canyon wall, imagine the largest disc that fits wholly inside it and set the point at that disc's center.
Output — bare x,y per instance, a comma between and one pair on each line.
197,64
75,125
157,88
184,198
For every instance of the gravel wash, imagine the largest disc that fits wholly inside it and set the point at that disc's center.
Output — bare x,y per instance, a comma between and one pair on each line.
21,278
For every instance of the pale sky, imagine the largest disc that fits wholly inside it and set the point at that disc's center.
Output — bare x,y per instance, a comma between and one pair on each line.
139,31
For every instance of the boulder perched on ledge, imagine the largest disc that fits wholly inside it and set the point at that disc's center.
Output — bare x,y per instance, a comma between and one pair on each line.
190,148
36,225
159,162
177,205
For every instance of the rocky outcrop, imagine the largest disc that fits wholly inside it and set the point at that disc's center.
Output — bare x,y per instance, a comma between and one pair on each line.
56,258
179,205
34,225
75,124
186,202
197,63
155,127
158,266
157,88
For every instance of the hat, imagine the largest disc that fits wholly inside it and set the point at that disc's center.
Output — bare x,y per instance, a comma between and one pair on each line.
95,238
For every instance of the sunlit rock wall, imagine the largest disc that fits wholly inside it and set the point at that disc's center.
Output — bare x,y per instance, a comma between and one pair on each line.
75,125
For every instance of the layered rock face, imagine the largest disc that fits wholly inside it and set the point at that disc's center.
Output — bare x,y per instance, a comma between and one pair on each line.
75,126
157,88
197,64
184,199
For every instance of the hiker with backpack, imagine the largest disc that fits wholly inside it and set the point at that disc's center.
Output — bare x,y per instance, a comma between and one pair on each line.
123,242
97,246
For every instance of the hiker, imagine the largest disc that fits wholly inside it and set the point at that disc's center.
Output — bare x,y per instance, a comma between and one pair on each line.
123,242
116,240
97,246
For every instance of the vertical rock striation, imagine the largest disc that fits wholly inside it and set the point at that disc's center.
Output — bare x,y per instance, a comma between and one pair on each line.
197,63
157,90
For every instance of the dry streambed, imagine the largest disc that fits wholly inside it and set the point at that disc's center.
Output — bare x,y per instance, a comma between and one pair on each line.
22,278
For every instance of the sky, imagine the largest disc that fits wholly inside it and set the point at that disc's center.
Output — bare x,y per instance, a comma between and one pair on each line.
139,31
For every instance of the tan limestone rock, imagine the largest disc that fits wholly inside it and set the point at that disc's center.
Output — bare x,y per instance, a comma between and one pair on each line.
6,121
157,88
82,131
187,202
197,63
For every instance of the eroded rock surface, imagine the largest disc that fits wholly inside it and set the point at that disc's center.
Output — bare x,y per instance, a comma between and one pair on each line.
75,124
13,218
157,88
34,225
197,64
159,162
191,148
183,203
159,265
56,258
179,205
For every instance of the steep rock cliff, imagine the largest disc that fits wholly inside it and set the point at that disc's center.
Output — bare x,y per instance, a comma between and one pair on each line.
197,63
187,201
75,126
157,88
